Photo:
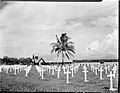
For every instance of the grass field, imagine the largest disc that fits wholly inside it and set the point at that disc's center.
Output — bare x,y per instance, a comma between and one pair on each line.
50,83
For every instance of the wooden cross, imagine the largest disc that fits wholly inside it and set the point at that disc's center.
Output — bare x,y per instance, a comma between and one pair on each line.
111,81
42,72
7,69
84,66
18,70
114,70
67,73
108,67
15,67
96,69
72,69
101,70
106,70
53,70
11,68
92,67
64,68
58,70
88,64
85,74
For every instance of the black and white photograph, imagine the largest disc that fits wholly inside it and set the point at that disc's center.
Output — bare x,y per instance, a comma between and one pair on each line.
59,46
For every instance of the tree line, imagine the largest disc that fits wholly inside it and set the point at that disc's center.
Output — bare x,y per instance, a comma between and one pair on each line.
11,60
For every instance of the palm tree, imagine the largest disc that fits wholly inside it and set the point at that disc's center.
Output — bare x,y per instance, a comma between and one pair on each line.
63,47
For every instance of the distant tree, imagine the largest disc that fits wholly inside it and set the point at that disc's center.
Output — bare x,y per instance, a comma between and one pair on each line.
28,61
63,47
13,61
5,60
1,61
22,61
25,61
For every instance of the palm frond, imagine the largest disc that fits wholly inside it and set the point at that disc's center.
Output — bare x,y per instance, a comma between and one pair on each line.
68,38
69,49
70,54
70,42
54,44
67,55
56,49
52,50
58,53
58,39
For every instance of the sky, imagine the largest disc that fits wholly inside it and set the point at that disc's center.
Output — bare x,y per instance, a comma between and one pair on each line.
28,28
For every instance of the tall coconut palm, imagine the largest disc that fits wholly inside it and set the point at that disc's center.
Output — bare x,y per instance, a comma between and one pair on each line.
63,47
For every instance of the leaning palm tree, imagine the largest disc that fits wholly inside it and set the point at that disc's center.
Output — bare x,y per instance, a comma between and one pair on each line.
63,47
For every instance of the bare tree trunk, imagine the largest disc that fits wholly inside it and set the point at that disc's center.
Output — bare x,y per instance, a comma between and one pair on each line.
62,57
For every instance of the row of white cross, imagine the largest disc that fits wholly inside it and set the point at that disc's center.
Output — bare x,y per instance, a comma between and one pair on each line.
15,68
66,69
95,67
111,68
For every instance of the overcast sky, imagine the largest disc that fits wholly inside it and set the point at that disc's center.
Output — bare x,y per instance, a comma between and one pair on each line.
28,28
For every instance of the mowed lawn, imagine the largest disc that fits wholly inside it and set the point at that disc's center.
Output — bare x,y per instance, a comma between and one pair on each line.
50,83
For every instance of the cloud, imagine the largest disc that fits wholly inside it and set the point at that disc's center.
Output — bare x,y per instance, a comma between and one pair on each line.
108,21
73,26
94,45
108,47
29,26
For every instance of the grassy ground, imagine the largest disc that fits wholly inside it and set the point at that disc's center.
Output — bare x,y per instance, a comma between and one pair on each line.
50,83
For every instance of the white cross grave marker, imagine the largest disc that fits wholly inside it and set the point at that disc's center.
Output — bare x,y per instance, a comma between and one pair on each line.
101,70
11,68
76,69
88,64
92,67
63,68
15,66
53,70
84,66
108,67
7,69
67,73
72,69
58,70
42,72
85,73
28,70
106,70
111,81
114,70
96,69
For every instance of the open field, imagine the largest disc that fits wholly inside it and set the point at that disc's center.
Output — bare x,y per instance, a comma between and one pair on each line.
50,83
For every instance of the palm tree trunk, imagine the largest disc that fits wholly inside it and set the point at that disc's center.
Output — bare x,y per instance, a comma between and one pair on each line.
62,57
